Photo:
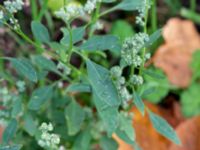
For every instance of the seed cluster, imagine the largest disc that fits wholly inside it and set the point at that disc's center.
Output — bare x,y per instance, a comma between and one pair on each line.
119,80
47,139
142,12
12,7
73,10
70,11
131,49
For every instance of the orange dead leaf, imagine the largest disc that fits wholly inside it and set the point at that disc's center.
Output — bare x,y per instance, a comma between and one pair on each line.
189,133
181,40
146,135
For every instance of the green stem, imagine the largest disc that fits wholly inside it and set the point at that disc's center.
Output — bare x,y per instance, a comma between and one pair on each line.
154,20
145,31
193,5
43,9
188,14
34,9
107,12
95,17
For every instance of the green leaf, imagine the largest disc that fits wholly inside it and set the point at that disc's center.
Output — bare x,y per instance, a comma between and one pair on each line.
15,147
160,87
105,94
83,141
29,125
40,32
190,101
10,131
75,116
153,74
164,128
129,5
106,42
77,35
25,68
195,65
122,135
39,97
139,103
108,143
154,37
17,107
44,63
79,87
60,49
122,34
102,85
109,115
126,127
108,1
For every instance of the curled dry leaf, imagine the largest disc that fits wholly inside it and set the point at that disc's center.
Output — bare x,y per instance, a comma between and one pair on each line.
147,137
189,133
174,57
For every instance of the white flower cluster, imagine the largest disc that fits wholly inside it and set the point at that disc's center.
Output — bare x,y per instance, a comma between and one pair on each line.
5,96
119,80
21,86
13,6
137,80
48,140
70,11
98,26
142,12
73,10
147,56
63,67
131,49
90,5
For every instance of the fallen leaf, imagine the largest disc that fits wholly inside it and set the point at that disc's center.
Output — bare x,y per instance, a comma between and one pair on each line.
174,57
189,133
146,135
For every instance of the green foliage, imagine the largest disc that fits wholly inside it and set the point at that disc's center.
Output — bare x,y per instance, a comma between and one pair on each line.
108,143
139,103
75,116
77,35
80,93
10,131
156,87
125,126
25,68
195,65
129,5
39,97
190,102
83,140
164,128
79,87
44,63
17,107
29,124
122,34
40,32
107,42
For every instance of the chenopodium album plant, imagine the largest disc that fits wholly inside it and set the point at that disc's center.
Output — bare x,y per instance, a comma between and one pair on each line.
88,104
